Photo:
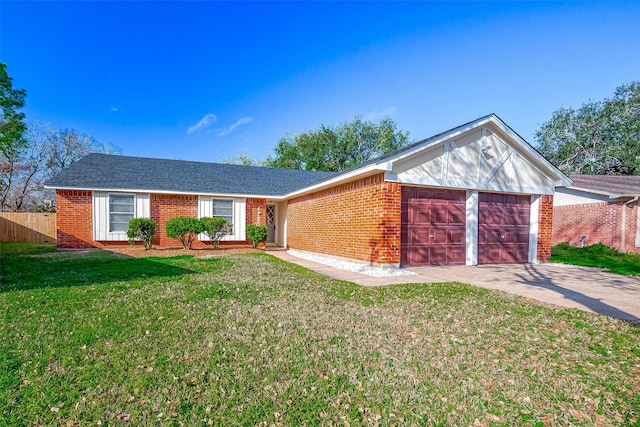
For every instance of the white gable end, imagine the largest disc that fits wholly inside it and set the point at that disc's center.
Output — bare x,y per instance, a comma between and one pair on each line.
480,159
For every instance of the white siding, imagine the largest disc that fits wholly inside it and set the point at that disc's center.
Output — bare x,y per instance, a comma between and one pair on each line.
471,227
570,196
480,160
533,228
205,207
101,215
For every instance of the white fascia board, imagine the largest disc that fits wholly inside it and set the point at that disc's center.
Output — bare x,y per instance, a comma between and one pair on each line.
182,193
562,180
605,193
349,176
467,185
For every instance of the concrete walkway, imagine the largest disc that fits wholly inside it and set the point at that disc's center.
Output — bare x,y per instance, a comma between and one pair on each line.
584,288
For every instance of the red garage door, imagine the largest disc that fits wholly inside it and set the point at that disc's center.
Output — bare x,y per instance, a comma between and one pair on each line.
503,228
433,227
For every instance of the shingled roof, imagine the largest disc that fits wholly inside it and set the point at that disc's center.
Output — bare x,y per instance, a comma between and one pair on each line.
124,173
614,185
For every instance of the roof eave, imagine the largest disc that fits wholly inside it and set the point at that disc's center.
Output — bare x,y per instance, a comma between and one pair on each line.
346,177
188,193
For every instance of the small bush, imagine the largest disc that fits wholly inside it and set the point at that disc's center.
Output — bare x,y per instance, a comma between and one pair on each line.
141,229
256,234
185,229
216,229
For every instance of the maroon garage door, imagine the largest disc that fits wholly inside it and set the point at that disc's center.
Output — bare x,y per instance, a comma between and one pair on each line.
503,228
433,227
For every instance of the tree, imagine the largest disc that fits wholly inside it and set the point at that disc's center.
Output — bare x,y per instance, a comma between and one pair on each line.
185,229
23,171
216,229
337,148
12,125
242,159
601,137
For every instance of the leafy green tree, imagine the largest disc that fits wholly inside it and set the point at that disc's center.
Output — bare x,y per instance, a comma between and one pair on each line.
216,229
185,229
141,229
242,159
12,125
600,138
337,148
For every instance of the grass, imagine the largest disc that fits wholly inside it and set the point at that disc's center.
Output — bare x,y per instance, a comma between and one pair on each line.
597,255
90,338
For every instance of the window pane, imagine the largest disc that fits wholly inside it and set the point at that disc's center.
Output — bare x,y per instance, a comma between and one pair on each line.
121,210
223,209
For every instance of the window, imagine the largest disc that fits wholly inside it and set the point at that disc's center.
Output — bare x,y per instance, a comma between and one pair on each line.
223,209
121,210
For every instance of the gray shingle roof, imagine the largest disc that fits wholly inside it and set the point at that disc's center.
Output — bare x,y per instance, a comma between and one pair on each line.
627,185
112,172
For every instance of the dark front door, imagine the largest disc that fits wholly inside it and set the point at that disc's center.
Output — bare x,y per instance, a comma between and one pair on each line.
503,228
271,223
433,227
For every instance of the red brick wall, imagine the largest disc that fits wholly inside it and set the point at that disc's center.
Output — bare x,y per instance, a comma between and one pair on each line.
545,228
598,222
74,219
167,206
257,210
358,220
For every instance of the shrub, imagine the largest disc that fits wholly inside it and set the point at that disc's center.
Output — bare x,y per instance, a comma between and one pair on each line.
141,229
256,234
216,229
185,229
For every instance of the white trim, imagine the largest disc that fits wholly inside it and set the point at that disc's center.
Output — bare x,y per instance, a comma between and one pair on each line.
471,227
184,193
505,156
445,161
466,185
534,228
482,151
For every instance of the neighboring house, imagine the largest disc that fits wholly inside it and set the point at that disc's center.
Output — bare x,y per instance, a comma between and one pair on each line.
475,194
598,209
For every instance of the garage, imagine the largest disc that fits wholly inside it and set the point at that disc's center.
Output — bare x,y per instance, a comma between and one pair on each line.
432,227
503,228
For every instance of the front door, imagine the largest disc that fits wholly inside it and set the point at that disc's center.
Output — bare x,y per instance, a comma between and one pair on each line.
271,223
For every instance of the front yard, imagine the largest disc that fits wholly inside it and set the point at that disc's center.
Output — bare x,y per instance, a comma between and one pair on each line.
91,338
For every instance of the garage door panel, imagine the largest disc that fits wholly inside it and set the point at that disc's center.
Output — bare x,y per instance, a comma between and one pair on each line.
457,237
420,216
503,228
433,226
457,216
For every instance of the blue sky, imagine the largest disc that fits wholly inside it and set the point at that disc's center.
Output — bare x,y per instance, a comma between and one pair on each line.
211,80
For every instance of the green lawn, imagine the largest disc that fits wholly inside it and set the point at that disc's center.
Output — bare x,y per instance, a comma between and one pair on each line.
597,255
89,338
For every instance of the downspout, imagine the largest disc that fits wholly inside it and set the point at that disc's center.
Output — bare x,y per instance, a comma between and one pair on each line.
624,222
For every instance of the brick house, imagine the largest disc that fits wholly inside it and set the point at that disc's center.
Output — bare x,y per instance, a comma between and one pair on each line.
474,194
598,209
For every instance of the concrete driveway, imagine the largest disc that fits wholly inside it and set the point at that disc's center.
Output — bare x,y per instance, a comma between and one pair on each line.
584,288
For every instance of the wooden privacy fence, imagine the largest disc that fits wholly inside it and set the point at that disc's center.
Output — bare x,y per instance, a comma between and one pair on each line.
28,227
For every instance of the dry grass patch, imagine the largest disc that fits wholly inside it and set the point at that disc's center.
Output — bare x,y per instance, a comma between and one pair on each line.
251,340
